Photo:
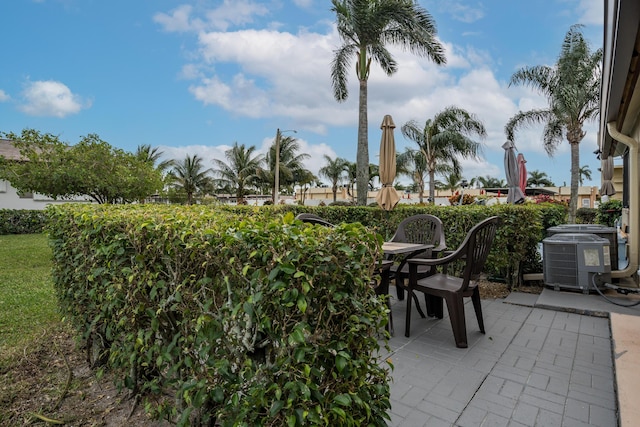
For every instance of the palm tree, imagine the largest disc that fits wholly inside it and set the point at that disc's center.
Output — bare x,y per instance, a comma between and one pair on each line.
241,170
491,182
150,155
584,172
572,88
443,139
366,27
190,176
452,182
413,164
539,179
334,171
290,163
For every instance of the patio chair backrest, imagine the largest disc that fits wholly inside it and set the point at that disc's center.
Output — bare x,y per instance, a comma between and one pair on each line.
476,247
421,228
313,219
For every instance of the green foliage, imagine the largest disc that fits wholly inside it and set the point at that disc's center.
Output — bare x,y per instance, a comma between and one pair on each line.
586,216
609,212
514,251
246,316
21,221
91,168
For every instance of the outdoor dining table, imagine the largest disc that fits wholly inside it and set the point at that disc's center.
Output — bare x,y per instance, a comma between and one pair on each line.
398,248
409,250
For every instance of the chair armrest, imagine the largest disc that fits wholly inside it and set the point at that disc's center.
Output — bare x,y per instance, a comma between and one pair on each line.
449,256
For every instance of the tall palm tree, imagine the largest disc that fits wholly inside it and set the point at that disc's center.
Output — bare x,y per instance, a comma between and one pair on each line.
366,27
413,164
572,88
539,179
241,170
190,175
334,171
291,163
584,172
444,138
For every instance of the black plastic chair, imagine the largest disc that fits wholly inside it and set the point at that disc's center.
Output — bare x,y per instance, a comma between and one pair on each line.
473,253
313,219
422,228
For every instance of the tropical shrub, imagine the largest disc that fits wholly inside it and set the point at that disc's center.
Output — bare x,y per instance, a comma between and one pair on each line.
236,316
609,212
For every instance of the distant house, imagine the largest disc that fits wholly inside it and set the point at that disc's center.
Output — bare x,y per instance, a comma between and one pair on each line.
9,196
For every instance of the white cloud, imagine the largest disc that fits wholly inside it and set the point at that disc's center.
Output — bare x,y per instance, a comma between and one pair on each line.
230,12
4,96
591,12
179,20
464,12
303,3
51,98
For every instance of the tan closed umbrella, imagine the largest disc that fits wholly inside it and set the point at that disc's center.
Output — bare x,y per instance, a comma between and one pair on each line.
515,195
387,197
607,188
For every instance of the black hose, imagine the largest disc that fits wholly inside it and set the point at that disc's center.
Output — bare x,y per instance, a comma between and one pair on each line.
593,282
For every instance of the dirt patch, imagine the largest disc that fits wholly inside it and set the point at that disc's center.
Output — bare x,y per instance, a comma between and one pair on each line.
493,290
50,383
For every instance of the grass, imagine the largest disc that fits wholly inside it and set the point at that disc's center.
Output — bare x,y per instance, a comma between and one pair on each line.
28,304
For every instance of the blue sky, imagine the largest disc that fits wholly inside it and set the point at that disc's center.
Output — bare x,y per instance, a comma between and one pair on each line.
193,77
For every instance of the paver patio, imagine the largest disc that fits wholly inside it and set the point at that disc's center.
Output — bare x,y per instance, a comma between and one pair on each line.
550,366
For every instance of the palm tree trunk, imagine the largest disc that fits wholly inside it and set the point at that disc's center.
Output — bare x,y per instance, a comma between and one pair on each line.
575,176
362,157
432,186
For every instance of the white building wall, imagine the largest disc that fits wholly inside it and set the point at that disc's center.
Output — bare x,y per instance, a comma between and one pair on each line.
9,199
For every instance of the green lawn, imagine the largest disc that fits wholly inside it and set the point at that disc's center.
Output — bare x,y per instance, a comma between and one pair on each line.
27,300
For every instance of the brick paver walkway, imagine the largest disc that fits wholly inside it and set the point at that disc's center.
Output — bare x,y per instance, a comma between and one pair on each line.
534,367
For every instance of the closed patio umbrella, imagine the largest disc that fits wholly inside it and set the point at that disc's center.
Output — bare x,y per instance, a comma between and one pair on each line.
522,172
607,188
511,171
387,197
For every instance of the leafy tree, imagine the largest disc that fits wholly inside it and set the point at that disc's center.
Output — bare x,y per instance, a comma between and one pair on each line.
366,27
443,139
189,175
241,171
539,179
334,171
572,88
91,168
584,172
291,163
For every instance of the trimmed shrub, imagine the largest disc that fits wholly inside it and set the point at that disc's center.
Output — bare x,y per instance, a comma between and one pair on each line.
586,215
609,212
22,221
244,315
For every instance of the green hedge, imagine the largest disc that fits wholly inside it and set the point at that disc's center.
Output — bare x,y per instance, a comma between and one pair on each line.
243,315
514,252
22,221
